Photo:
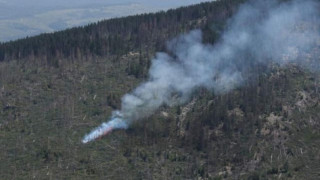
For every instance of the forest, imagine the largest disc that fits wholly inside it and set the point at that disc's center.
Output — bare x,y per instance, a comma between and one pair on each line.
56,87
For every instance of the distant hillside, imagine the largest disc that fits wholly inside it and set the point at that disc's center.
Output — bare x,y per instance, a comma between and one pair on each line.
54,88
118,36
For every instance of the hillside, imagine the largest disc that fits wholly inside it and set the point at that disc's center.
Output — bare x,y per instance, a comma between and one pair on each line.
118,36
55,88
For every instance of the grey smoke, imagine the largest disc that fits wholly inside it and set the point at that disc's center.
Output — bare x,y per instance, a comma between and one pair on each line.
261,32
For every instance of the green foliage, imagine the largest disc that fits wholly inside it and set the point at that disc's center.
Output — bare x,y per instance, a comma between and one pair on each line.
50,97
118,36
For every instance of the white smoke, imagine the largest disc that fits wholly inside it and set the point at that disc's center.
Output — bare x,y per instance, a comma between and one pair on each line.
115,123
261,32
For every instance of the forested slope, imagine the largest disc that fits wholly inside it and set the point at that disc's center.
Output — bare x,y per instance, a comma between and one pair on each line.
119,36
54,88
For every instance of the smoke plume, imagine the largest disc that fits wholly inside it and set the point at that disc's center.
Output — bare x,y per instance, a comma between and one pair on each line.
261,32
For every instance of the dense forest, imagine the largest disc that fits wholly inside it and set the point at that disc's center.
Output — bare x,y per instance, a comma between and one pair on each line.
56,87
120,36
